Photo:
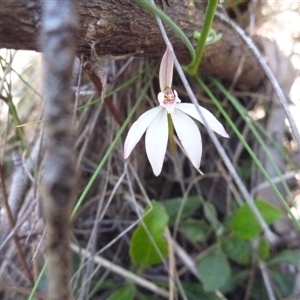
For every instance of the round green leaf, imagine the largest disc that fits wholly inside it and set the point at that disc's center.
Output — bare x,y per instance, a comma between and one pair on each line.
173,206
238,250
244,224
196,230
214,270
264,249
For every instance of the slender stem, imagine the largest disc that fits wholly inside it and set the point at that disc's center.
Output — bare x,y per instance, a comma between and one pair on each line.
209,16
171,134
99,87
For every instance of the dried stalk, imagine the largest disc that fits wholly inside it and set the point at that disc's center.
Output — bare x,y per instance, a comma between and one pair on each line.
19,185
99,87
58,42
12,225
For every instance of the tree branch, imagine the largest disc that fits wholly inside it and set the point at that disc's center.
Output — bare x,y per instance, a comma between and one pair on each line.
121,27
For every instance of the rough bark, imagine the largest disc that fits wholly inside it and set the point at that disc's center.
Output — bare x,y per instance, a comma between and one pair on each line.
58,41
121,27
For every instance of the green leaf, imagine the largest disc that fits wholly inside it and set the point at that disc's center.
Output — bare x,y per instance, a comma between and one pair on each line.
194,291
141,296
238,250
126,292
214,270
148,247
211,214
284,282
286,256
238,279
244,224
196,230
172,207
264,249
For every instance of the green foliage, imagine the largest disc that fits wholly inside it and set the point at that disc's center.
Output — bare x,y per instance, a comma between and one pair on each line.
286,256
126,292
264,249
174,206
284,283
244,224
237,279
211,215
214,270
141,296
232,3
237,250
194,291
196,230
148,247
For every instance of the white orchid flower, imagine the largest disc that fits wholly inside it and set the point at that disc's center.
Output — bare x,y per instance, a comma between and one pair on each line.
155,123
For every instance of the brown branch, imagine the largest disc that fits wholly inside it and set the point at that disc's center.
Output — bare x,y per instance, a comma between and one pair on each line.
58,41
121,27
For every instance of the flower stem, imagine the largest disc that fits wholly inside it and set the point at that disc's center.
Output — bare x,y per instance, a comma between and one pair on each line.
172,142
209,16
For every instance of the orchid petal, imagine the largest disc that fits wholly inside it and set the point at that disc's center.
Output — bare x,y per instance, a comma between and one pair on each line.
157,140
138,128
166,70
161,98
211,121
189,136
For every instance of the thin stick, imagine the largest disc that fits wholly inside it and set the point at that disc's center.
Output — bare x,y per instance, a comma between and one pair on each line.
98,86
267,279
